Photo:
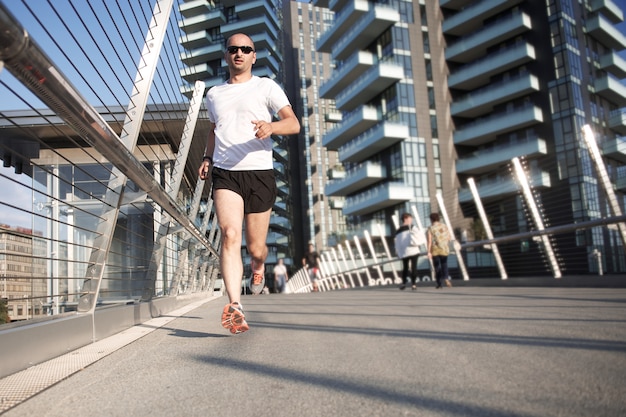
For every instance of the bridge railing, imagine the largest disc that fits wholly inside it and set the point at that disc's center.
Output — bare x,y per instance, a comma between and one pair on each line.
104,223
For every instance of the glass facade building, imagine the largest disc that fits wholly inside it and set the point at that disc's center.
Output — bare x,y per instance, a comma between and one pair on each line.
525,76
393,140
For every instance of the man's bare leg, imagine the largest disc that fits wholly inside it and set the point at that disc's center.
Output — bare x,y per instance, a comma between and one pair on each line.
257,226
229,210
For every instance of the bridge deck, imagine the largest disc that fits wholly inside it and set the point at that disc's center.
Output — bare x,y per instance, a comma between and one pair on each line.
462,351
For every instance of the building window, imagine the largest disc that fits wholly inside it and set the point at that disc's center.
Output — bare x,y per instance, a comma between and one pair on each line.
433,127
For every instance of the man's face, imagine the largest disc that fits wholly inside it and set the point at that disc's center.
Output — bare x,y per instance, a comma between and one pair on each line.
240,54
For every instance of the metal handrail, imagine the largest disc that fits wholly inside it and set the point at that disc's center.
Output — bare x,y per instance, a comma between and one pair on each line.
24,59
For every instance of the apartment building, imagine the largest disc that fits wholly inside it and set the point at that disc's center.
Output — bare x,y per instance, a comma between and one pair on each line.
322,221
524,77
23,273
394,140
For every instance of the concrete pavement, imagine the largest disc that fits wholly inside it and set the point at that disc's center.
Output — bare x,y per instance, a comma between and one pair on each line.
462,351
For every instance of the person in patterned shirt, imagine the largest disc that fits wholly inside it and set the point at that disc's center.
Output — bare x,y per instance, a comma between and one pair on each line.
438,244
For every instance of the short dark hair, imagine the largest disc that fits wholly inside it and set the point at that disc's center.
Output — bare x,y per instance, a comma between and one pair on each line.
434,217
406,216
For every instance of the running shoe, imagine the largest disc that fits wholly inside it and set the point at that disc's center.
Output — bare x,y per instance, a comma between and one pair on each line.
233,318
257,282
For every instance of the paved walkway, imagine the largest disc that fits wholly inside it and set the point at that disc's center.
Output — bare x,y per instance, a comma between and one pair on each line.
464,351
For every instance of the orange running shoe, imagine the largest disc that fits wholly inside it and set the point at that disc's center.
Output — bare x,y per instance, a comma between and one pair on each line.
233,318
257,282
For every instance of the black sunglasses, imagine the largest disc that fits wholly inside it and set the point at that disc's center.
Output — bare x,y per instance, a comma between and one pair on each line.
245,49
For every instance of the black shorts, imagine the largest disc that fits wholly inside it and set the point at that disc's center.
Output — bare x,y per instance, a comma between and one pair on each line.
256,188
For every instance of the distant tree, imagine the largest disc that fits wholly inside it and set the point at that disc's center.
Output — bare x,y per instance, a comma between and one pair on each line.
478,230
4,311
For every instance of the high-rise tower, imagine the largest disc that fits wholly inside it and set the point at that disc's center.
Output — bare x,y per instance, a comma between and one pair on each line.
394,140
525,76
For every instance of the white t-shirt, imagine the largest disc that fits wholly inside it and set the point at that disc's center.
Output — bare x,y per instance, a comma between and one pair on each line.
280,270
232,108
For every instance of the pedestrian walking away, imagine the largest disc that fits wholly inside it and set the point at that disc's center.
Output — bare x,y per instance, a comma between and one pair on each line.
238,158
311,261
439,248
280,276
407,241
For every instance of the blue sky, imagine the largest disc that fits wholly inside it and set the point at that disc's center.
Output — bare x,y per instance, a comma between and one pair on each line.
116,59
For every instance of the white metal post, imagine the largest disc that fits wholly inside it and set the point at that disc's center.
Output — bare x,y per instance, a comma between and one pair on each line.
603,177
345,264
341,274
349,249
370,281
487,226
530,200
381,280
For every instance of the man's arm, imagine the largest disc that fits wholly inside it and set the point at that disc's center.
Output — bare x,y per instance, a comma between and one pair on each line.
203,171
287,125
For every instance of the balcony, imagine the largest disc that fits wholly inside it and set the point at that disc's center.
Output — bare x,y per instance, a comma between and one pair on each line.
194,8
471,18
337,203
202,22
373,227
609,9
337,173
373,82
251,9
378,198
495,189
487,129
265,58
196,72
260,24
353,125
615,149
614,64
452,4
600,28
334,117
482,101
472,47
337,5
349,71
195,40
202,55
485,160
363,176
373,141
344,20
617,121
366,30
320,3
478,73
611,89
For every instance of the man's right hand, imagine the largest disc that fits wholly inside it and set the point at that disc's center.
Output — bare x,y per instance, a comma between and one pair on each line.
203,171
